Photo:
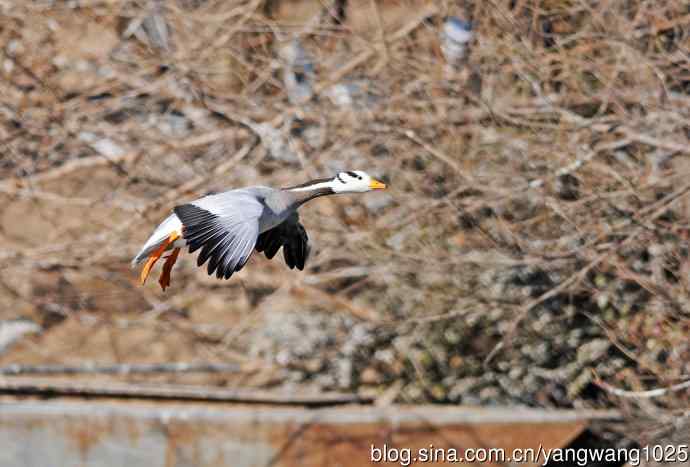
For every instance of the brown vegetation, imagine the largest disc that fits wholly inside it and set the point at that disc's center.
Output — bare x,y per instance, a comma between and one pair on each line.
534,239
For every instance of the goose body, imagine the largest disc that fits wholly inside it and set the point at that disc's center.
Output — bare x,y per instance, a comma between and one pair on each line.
227,227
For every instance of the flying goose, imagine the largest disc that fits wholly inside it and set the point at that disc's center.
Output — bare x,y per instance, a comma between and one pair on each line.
229,226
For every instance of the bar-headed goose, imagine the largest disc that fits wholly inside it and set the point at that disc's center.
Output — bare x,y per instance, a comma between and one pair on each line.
229,226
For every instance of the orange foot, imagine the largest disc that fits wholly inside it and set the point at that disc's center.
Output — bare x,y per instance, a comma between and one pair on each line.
164,280
153,257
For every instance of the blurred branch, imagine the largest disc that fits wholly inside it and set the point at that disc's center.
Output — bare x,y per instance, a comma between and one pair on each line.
640,394
11,186
435,152
123,369
656,210
193,184
336,301
362,57
45,387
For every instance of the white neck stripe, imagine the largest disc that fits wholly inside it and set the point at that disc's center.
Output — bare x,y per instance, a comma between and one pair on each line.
316,186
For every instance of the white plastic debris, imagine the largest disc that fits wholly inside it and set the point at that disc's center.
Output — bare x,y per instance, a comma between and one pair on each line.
340,94
456,35
151,29
351,93
13,330
104,146
156,28
108,148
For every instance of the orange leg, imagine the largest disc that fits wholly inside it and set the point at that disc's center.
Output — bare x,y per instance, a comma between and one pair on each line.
164,280
153,257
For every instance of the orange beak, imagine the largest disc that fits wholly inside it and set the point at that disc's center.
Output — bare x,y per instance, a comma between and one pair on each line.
376,185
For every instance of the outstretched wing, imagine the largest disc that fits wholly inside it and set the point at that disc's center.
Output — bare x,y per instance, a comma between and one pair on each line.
225,227
292,237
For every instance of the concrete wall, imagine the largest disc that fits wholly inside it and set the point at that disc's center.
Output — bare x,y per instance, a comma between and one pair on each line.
136,434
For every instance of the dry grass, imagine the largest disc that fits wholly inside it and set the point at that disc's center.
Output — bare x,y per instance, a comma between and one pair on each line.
538,201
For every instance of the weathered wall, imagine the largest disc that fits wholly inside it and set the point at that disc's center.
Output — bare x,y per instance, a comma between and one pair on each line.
66,434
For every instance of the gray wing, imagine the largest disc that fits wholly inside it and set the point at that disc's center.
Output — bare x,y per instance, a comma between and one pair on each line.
292,237
225,227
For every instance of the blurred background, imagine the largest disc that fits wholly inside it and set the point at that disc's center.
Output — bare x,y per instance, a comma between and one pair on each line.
531,250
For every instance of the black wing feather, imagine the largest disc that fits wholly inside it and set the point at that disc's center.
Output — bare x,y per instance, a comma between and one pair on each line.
290,235
200,227
205,230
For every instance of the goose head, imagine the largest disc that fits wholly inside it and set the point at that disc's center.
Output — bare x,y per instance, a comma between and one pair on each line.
356,181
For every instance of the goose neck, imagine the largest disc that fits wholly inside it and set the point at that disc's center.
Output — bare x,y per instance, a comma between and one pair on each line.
300,194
